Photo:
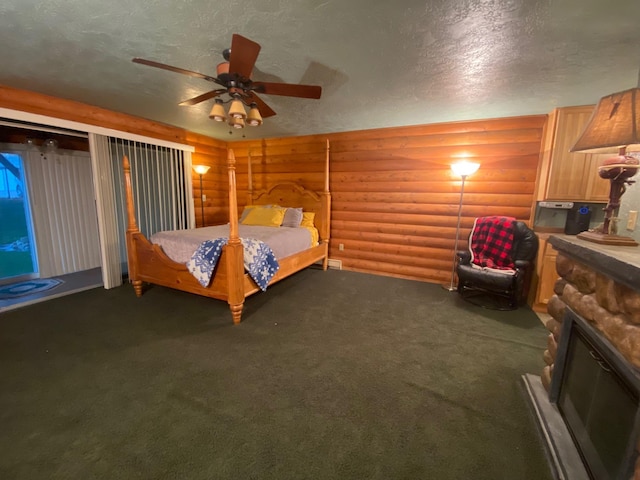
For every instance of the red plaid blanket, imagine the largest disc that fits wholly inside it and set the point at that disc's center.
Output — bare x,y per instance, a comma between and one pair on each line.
491,242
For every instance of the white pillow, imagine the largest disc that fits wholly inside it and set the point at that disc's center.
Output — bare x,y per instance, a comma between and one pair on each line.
292,218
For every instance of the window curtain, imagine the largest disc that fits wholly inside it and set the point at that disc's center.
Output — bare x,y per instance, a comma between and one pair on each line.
65,224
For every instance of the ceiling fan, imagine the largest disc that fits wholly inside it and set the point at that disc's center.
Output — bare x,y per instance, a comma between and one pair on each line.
234,75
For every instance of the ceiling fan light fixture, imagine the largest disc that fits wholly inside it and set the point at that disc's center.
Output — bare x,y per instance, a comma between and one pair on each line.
254,118
236,122
234,76
236,110
217,112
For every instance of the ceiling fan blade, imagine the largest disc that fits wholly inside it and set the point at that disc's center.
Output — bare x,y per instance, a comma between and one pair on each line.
288,89
202,98
264,109
244,53
163,66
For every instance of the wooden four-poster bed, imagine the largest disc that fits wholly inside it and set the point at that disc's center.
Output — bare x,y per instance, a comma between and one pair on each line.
149,263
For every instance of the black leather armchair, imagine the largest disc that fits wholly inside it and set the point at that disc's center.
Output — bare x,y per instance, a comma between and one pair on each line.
494,289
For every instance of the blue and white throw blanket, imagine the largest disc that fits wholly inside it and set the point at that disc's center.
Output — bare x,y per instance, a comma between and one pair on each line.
259,261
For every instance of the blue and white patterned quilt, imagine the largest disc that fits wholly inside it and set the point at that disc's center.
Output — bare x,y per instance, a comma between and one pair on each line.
259,261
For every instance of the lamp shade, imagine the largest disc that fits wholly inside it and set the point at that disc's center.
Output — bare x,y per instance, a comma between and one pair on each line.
201,169
464,168
615,123
254,118
217,112
236,110
236,122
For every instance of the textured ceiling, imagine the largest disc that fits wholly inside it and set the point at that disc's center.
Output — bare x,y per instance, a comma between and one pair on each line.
380,63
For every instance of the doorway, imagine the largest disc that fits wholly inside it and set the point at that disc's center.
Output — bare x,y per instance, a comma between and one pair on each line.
47,205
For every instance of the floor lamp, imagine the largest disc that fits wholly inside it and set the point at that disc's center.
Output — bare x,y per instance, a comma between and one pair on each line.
463,169
201,170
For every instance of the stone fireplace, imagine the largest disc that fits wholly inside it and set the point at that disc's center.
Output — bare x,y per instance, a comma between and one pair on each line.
596,311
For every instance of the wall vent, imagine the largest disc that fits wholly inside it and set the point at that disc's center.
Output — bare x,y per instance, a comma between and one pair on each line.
333,263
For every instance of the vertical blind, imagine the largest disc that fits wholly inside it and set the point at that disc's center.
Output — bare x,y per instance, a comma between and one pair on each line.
159,179
161,190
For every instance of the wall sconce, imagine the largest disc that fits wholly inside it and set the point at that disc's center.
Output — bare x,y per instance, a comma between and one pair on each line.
201,170
237,116
613,127
462,169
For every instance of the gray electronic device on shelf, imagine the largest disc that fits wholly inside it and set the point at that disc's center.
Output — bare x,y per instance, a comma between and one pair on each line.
561,205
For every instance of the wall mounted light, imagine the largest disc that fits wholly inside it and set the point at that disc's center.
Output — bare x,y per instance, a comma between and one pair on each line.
462,169
201,170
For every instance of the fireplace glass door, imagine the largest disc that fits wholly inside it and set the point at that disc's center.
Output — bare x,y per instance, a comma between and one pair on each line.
599,408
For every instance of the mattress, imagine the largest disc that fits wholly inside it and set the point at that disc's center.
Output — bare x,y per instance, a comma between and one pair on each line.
179,245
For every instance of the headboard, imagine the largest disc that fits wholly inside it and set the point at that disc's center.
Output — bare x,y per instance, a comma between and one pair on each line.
292,194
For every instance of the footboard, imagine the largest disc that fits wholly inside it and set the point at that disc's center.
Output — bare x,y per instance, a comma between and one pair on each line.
153,266
148,263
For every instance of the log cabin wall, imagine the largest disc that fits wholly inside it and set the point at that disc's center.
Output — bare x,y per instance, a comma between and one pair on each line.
394,197
294,159
208,151
214,183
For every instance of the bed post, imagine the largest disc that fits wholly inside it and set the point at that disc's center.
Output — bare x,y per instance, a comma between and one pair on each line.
233,250
326,211
249,180
132,229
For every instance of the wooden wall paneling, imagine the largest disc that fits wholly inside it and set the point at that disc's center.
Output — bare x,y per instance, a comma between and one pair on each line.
214,184
280,160
394,197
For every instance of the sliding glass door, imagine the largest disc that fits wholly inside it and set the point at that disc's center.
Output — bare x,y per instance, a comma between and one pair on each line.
17,248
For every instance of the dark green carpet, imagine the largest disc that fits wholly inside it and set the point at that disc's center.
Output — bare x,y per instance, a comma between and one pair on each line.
331,375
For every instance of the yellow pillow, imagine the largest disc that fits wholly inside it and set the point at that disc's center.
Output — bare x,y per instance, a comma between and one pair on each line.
307,219
248,208
264,217
314,234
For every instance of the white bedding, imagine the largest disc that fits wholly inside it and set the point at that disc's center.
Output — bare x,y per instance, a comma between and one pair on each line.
179,245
